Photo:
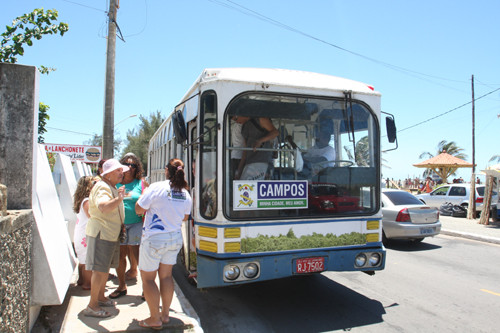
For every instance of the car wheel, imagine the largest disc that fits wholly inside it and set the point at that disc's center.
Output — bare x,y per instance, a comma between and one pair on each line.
385,240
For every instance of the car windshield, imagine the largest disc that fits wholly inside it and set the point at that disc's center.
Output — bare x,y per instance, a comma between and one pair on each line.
402,198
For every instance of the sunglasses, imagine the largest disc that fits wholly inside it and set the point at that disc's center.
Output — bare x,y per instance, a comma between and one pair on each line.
131,165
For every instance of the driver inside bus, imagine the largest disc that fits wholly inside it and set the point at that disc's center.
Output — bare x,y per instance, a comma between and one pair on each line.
319,156
321,151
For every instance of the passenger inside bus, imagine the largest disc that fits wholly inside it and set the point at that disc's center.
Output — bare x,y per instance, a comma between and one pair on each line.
258,133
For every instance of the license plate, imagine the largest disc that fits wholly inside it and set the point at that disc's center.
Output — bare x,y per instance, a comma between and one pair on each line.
426,231
310,265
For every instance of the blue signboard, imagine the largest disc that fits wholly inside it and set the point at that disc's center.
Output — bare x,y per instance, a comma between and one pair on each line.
269,194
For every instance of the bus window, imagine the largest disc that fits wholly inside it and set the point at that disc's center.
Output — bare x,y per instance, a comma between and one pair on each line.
337,147
208,154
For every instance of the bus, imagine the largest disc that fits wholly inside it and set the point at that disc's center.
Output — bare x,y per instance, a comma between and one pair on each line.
291,216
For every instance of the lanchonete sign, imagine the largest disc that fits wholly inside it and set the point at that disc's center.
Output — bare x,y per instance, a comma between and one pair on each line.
265,194
88,154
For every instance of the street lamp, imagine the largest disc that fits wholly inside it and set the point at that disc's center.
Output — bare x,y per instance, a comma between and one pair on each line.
121,121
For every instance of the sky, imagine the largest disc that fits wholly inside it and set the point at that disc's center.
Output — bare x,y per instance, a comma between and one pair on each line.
420,56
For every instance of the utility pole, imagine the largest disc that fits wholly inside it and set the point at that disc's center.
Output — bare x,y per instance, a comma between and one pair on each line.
109,98
471,211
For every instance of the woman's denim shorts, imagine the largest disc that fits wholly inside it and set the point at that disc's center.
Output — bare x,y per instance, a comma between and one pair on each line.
160,248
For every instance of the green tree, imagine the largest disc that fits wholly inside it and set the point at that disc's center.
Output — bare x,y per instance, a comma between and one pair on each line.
450,148
23,31
138,141
43,116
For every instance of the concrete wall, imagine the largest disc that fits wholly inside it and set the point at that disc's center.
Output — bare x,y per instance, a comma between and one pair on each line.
18,131
16,235
36,255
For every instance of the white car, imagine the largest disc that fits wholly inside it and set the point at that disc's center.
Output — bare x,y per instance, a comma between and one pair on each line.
406,217
457,194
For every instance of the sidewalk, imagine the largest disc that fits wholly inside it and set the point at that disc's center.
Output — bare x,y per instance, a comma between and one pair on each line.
129,311
462,227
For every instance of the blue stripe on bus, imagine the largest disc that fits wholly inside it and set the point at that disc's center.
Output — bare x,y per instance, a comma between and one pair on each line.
280,266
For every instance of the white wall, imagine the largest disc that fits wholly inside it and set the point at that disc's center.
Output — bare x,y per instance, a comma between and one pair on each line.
53,256
65,183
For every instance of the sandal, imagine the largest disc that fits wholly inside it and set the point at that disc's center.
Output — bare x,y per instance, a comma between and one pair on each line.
118,293
143,323
98,314
107,303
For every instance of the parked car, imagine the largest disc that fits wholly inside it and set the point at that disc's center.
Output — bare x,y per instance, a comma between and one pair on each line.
406,217
457,194
330,198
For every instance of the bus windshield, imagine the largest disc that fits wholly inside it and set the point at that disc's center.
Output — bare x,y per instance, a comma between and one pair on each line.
297,156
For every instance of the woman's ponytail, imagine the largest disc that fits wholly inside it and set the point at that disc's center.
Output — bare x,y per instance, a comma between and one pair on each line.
176,174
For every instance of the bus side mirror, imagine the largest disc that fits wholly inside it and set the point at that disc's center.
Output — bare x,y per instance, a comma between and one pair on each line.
179,126
390,125
391,129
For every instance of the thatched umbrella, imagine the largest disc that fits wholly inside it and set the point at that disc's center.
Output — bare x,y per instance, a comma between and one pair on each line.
444,165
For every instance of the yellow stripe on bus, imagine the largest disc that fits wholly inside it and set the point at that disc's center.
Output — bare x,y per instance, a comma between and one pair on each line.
208,246
207,232
232,233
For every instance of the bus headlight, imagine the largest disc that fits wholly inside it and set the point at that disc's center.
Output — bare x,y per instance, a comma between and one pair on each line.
374,259
251,270
360,260
231,272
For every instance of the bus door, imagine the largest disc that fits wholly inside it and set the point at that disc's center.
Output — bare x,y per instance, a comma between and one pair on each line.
189,255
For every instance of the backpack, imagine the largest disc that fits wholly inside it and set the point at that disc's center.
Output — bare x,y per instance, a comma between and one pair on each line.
446,209
458,211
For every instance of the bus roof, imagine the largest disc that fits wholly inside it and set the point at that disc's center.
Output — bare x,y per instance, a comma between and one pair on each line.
284,77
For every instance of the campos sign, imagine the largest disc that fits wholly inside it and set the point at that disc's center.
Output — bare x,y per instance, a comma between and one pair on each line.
267,194
88,154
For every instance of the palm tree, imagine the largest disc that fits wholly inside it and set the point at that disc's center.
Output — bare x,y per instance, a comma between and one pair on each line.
444,147
495,158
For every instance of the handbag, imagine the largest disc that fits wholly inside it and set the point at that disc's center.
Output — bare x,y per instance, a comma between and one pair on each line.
123,234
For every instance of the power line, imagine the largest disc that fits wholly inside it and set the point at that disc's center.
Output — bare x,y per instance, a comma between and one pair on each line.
249,12
63,130
79,4
442,114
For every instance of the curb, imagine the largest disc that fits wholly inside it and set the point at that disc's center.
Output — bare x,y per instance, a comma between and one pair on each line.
188,308
467,235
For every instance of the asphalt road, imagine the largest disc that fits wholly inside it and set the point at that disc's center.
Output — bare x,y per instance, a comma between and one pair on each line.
444,284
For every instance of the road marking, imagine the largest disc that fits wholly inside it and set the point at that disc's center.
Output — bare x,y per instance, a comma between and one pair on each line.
490,292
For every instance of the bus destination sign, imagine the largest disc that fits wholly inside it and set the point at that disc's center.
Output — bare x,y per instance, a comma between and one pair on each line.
269,194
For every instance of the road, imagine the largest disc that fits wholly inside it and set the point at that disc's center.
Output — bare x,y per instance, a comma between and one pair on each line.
444,284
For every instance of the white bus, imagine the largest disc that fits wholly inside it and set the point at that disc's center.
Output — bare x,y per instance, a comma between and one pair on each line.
295,215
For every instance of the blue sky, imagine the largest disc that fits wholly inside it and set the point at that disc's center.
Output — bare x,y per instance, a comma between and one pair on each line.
419,55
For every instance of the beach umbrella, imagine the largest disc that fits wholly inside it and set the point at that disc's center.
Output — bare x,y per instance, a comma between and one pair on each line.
444,165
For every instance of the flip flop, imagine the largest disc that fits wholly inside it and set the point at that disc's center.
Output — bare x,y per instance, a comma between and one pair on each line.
107,303
118,293
88,312
143,323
